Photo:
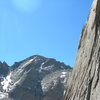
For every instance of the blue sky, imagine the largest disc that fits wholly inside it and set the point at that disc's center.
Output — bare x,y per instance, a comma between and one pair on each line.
50,28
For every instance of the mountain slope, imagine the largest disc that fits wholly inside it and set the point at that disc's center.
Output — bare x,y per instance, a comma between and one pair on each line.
85,81
36,78
4,69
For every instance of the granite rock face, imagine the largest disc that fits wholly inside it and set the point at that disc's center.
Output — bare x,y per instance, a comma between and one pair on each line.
35,78
84,83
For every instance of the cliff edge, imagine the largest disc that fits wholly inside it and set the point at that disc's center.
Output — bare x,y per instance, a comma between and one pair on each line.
85,80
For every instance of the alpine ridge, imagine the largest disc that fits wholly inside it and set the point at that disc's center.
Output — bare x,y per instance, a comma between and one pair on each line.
84,83
35,78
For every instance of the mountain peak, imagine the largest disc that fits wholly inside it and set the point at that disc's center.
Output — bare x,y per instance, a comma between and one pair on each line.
36,76
37,59
4,68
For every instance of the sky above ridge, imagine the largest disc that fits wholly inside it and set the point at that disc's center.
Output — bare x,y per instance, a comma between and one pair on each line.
50,28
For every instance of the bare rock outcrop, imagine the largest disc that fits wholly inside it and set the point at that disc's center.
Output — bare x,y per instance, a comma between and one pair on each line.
35,78
84,83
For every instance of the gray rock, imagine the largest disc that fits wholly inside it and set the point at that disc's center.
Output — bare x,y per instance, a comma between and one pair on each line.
36,78
4,69
84,83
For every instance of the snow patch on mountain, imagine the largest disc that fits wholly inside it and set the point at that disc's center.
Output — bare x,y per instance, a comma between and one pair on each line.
63,75
6,82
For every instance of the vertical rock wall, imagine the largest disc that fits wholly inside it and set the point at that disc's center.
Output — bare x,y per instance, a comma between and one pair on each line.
85,81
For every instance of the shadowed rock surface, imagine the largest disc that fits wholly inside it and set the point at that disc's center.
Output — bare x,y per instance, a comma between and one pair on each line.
85,80
4,69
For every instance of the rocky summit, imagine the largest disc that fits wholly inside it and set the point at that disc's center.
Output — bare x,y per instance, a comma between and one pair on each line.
84,83
35,78
4,69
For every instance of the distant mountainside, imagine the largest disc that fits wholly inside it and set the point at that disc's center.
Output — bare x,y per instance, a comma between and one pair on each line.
4,69
35,78
84,83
